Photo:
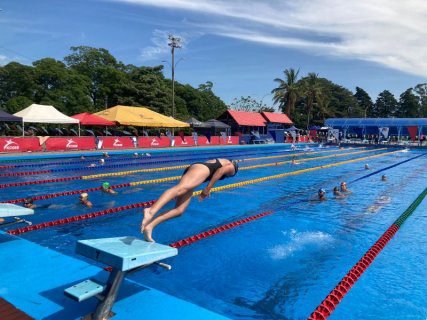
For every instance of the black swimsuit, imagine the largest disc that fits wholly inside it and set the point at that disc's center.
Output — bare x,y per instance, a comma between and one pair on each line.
213,167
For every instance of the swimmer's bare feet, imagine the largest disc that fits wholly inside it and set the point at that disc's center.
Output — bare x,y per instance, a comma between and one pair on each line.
147,233
147,218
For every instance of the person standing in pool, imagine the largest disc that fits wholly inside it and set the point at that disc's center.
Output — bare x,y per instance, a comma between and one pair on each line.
194,176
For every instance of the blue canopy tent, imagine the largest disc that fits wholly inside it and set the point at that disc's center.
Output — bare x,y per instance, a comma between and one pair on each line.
398,126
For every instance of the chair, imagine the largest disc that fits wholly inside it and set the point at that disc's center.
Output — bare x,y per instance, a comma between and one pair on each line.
256,138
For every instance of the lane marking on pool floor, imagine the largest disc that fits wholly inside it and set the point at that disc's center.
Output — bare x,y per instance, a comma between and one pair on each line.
196,193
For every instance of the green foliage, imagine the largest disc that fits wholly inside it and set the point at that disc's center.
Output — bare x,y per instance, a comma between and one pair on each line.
249,104
385,106
91,79
409,105
364,101
288,91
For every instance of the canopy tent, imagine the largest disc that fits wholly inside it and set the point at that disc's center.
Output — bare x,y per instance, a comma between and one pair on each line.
213,123
195,123
140,117
4,116
87,119
38,113
397,126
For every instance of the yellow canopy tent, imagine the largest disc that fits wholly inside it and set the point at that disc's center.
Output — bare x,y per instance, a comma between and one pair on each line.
140,117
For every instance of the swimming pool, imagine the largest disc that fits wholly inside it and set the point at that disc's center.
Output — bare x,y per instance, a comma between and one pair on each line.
277,267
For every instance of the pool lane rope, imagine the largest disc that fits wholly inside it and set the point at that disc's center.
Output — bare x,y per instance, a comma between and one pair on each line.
121,173
63,221
160,180
95,158
328,305
204,156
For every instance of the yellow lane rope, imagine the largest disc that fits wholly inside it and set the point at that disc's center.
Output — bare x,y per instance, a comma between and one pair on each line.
307,159
292,173
122,173
160,180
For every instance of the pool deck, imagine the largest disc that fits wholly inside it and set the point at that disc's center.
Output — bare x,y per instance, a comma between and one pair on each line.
33,279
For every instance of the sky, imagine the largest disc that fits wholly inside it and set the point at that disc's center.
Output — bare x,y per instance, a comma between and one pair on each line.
239,45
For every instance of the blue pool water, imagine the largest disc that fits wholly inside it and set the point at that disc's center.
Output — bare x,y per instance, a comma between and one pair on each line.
278,267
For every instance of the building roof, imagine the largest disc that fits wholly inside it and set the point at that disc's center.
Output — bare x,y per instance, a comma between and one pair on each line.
244,118
277,117
374,122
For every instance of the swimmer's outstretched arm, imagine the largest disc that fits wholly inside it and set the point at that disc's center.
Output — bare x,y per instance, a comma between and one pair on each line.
227,169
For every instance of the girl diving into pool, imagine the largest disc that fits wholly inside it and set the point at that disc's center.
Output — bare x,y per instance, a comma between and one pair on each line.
194,175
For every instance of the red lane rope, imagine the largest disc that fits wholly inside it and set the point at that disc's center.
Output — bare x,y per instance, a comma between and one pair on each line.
62,221
216,230
66,193
328,305
211,232
27,183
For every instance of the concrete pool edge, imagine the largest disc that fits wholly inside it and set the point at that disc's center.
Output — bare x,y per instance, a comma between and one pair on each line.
34,277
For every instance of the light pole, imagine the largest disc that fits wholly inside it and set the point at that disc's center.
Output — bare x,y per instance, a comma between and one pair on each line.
174,43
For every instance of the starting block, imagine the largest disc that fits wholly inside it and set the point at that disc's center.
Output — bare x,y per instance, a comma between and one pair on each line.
124,255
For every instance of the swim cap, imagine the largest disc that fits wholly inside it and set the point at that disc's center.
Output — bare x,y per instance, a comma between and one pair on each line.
28,200
84,195
322,190
106,185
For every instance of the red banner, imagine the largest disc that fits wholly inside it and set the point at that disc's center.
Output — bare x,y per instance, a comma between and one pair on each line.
118,142
185,141
154,142
70,143
413,130
16,144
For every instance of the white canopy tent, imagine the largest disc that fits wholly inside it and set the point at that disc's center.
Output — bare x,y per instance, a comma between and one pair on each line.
37,113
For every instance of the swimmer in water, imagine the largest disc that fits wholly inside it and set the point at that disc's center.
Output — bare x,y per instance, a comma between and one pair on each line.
383,177
367,167
338,194
294,161
343,187
107,188
102,161
105,154
84,199
28,203
321,194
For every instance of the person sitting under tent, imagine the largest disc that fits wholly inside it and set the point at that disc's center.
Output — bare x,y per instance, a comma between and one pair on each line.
196,174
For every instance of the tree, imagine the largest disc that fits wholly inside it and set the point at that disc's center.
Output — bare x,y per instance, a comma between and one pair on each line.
364,101
105,73
248,104
16,80
288,91
67,90
409,105
421,91
312,90
385,106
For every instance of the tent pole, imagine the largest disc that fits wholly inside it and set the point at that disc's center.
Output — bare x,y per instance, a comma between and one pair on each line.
79,129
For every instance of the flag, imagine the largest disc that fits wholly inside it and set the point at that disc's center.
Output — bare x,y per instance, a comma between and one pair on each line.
384,132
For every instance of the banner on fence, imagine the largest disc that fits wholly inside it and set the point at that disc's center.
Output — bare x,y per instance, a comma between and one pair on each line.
70,143
19,144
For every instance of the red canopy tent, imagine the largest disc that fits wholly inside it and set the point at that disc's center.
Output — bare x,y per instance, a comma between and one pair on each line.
88,119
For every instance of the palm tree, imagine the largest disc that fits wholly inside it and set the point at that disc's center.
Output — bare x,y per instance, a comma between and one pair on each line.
287,93
312,91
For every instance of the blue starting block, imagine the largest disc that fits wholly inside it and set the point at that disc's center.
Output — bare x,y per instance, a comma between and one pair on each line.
124,255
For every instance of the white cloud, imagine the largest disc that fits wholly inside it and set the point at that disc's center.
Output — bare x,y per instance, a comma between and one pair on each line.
387,32
3,60
161,48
